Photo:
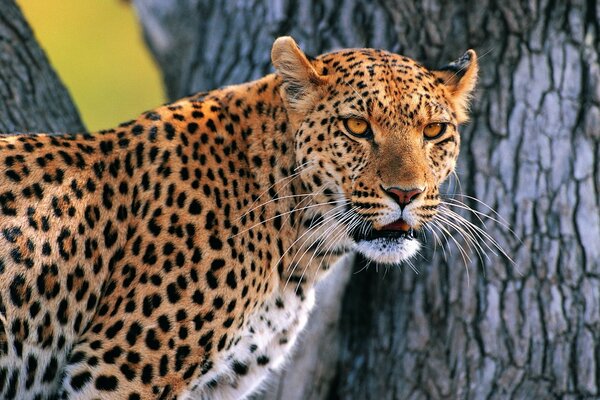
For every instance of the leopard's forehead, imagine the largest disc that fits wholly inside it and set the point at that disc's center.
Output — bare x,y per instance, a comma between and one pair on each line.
387,86
381,68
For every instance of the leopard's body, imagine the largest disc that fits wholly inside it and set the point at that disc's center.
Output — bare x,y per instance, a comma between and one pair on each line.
175,256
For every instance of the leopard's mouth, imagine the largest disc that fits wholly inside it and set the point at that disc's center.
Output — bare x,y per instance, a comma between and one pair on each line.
398,229
390,244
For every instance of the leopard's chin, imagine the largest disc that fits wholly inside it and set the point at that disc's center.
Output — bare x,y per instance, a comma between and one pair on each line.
388,250
391,244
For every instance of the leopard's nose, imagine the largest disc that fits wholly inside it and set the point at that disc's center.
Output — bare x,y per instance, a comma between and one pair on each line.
403,196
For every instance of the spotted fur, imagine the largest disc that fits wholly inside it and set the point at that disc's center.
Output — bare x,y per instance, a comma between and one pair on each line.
175,256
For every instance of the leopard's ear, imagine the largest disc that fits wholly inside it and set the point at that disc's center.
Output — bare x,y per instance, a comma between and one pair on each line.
460,76
300,80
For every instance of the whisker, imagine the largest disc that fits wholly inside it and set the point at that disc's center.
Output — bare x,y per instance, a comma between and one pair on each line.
340,222
307,247
332,234
291,196
480,215
310,199
352,224
436,241
323,221
466,235
412,266
462,251
367,265
475,199
483,235
289,179
443,245
285,213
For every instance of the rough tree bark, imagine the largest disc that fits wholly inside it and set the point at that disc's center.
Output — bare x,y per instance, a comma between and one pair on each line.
488,329
32,98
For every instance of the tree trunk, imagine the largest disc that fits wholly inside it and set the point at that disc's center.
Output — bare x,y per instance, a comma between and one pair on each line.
474,329
32,98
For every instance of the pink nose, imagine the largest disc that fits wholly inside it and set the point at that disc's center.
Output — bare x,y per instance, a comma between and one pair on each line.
403,197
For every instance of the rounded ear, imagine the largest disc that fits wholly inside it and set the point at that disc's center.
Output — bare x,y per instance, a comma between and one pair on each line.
460,76
300,80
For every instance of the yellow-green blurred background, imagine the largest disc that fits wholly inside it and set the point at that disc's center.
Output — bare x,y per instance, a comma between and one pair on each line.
98,51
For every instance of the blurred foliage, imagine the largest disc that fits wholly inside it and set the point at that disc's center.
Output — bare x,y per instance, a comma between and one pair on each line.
98,51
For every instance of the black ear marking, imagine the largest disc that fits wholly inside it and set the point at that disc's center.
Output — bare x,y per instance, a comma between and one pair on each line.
460,78
294,90
459,66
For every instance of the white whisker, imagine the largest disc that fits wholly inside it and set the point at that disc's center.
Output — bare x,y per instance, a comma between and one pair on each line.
462,251
289,179
325,220
330,232
307,247
285,213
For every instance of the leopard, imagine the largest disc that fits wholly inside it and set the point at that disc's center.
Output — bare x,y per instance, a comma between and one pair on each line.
176,255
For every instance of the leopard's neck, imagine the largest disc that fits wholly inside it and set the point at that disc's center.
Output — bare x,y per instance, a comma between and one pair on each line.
279,199
279,203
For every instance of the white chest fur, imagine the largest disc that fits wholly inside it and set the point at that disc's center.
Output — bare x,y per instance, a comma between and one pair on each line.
263,345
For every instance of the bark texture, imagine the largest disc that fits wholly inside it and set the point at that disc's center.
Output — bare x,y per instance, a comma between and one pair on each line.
474,329
32,98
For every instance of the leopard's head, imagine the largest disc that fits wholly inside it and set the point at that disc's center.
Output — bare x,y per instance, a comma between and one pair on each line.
376,135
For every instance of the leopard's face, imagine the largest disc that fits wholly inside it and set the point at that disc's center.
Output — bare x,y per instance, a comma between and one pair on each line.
376,136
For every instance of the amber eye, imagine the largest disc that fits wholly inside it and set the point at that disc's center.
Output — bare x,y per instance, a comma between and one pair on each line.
357,126
434,130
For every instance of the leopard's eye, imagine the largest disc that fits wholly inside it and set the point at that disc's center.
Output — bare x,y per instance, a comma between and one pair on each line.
435,130
357,126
